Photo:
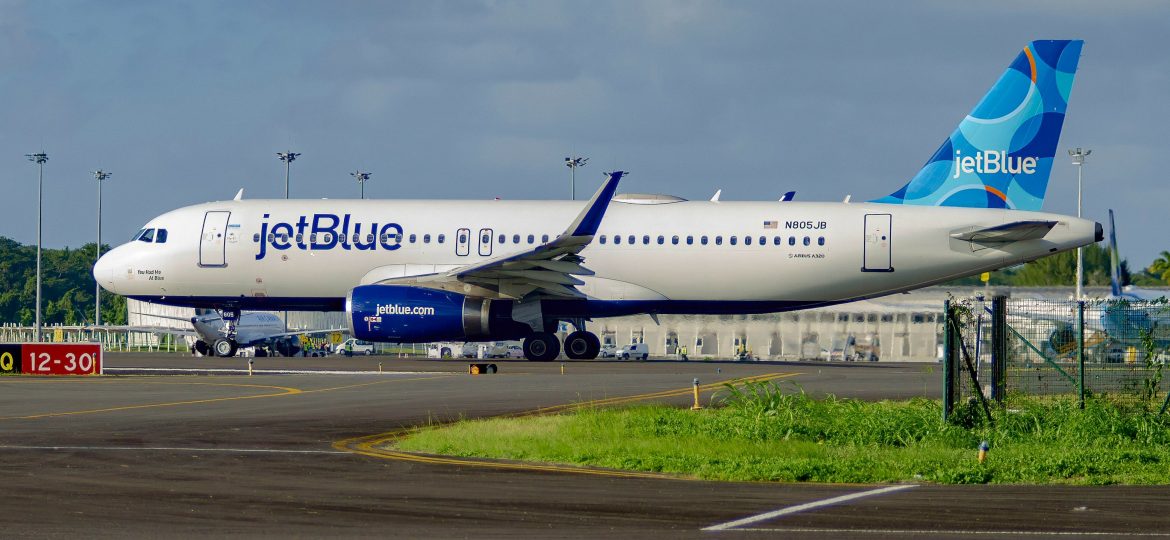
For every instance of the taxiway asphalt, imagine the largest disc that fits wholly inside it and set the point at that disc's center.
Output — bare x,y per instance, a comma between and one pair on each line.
227,454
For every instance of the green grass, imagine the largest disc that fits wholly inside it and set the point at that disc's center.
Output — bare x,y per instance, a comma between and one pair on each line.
762,433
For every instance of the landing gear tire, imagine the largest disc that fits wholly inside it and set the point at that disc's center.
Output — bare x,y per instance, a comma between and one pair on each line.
542,347
225,347
582,345
201,348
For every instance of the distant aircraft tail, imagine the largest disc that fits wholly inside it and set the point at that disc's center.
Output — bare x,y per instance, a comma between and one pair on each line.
1114,259
1001,154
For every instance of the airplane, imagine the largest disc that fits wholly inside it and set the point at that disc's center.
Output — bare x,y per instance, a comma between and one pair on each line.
252,329
442,270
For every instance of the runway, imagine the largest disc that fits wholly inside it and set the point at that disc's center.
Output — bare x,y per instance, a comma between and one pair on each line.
275,454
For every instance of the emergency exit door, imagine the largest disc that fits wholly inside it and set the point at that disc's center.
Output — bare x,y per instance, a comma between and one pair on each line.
463,242
877,251
485,242
213,243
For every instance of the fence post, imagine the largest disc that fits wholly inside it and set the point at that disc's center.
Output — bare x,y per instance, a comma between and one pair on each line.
999,348
949,353
1081,352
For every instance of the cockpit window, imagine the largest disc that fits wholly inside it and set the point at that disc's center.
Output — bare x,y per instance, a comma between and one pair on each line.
147,235
161,236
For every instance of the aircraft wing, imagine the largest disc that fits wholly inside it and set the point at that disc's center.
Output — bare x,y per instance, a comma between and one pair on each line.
546,270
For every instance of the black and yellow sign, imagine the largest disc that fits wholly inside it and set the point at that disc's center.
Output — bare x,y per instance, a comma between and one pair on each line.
9,358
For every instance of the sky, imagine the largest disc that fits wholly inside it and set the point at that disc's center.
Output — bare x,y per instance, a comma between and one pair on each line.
187,102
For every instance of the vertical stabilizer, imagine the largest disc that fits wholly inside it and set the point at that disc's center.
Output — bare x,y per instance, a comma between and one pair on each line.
1001,154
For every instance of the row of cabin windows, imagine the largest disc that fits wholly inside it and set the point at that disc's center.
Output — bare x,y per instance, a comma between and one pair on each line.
516,239
704,240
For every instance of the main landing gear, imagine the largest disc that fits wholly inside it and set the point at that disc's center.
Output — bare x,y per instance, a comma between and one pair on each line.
544,346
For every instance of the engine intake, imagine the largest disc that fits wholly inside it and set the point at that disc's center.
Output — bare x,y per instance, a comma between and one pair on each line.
400,314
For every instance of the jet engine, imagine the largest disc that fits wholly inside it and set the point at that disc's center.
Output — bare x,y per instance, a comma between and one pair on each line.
402,314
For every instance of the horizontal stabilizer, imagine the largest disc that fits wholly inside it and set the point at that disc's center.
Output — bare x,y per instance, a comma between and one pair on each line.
1009,232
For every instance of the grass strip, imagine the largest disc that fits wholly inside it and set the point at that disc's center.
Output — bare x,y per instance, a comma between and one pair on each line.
763,433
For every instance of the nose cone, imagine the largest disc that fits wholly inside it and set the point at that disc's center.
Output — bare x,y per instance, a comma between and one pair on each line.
103,271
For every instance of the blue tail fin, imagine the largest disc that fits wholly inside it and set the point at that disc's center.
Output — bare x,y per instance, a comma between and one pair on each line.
1114,259
1001,154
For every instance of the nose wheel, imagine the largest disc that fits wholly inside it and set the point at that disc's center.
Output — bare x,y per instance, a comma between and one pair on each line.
225,347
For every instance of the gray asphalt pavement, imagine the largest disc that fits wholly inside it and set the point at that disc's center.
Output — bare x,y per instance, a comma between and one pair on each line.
140,454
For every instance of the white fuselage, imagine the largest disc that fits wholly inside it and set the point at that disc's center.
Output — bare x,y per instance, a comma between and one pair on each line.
827,252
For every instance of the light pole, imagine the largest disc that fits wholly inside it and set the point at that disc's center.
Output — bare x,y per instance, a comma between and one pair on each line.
97,292
572,163
287,158
1078,158
361,177
39,158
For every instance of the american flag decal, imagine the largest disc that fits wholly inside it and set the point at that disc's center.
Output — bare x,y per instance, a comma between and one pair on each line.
769,224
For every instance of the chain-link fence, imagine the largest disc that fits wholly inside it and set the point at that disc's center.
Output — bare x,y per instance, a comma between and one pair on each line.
997,349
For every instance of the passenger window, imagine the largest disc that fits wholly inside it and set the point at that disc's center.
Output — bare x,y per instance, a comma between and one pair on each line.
312,238
443,238
256,237
162,237
271,237
719,240
763,240
821,241
486,238
645,239
703,240
792,240
284,238
602,239
747,240
426,238
674,239
502,239
531,239
617,239
807,241
631,240
661,239
776,240
544,239
370,238
413,238
300,238
515,239
690,240
463,238
326,237
731,240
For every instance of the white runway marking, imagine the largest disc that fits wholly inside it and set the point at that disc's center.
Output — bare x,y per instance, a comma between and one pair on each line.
174,449
232,371
802,507
932,533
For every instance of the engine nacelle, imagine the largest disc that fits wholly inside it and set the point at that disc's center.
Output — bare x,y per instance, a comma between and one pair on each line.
401,314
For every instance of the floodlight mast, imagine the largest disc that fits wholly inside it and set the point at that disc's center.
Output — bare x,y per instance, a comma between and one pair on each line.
99,175
39,158
287,158
361,177
572,163
1078,156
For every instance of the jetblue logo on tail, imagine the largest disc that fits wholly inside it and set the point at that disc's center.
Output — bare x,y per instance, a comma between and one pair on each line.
992,162
327,231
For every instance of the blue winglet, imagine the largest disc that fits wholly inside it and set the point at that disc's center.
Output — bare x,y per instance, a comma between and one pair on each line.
589,221
1114,260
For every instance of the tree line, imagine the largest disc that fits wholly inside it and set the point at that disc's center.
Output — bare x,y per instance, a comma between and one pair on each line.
67,286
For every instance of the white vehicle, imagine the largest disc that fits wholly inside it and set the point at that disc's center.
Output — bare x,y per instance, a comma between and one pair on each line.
214,336
608,350
426,271
637,351
505,350
354,346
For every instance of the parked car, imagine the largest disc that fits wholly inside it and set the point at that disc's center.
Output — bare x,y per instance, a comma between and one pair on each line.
354,345
639,351
505,349
608,351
